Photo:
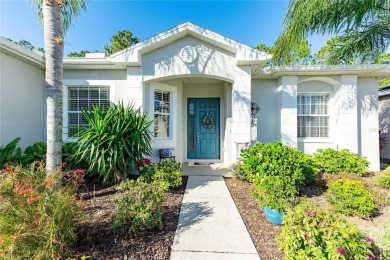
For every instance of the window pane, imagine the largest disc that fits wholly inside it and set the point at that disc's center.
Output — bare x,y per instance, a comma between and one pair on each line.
161,125
312,110
81,98
73,105
73,119
83,93
94,94
105,93
162,110
73,93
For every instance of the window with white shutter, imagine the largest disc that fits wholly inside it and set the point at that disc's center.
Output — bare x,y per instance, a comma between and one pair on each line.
84,98
313,117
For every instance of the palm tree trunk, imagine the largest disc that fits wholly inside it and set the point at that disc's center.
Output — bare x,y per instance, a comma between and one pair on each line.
54,52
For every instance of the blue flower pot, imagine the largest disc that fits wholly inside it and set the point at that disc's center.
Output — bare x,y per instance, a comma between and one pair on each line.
273,215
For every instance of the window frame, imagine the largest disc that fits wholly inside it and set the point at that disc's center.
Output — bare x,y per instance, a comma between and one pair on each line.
65,104
171,140
309,138
169,114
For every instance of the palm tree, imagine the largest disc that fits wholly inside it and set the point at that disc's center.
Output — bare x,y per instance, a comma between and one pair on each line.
56,16
363,27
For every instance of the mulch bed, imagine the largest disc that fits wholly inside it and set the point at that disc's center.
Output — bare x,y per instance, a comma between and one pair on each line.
262,232
98,240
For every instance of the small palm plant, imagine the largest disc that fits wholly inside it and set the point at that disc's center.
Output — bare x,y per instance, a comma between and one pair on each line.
117,136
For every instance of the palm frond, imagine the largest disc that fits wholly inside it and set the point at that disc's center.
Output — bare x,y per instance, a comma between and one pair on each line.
364,45
70,10
306,17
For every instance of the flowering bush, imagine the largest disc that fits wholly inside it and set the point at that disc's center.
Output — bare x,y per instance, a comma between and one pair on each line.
142,164
38,217
311,233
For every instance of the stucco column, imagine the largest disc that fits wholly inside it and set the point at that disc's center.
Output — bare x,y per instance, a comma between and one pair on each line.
241,108
346,129
367,93
134,91
287,107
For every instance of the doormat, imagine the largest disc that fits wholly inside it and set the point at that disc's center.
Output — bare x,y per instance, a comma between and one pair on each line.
200,163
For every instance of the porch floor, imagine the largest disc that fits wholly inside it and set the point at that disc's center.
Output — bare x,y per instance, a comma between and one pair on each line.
217,169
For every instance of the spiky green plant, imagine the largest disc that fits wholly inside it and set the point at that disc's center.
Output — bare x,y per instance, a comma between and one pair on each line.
117,136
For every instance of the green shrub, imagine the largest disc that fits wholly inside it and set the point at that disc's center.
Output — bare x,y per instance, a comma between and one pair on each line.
378,197
333,161
116,137
383,181
351,197
382,240
276,157
38,218
140,207
311,233
10,152
278,171
239,172
70,149
33,153
168,173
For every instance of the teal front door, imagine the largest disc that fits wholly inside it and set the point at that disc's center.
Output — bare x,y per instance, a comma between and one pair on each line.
203,133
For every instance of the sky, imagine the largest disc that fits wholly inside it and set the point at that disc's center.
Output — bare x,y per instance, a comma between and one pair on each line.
248,22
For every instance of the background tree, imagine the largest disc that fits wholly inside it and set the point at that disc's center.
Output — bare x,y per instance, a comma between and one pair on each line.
322,56
265,48
56,16
122,40
384,58
298,56
363,24
26,44
78,54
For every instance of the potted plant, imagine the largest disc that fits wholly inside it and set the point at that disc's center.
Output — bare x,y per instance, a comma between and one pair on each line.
274,205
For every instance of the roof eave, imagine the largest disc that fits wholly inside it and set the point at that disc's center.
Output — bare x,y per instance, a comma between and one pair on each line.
363,70
14,50
133,53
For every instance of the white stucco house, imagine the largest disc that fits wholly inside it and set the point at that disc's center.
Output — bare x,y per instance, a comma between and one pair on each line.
384,119
209,95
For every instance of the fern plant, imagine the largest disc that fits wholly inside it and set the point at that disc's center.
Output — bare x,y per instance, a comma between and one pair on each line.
10,152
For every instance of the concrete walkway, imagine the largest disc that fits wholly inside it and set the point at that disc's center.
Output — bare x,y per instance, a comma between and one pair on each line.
210,226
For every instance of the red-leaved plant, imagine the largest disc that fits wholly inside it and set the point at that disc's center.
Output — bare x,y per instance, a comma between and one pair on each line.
38,216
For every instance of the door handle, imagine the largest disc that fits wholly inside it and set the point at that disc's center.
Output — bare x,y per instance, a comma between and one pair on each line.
197,137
